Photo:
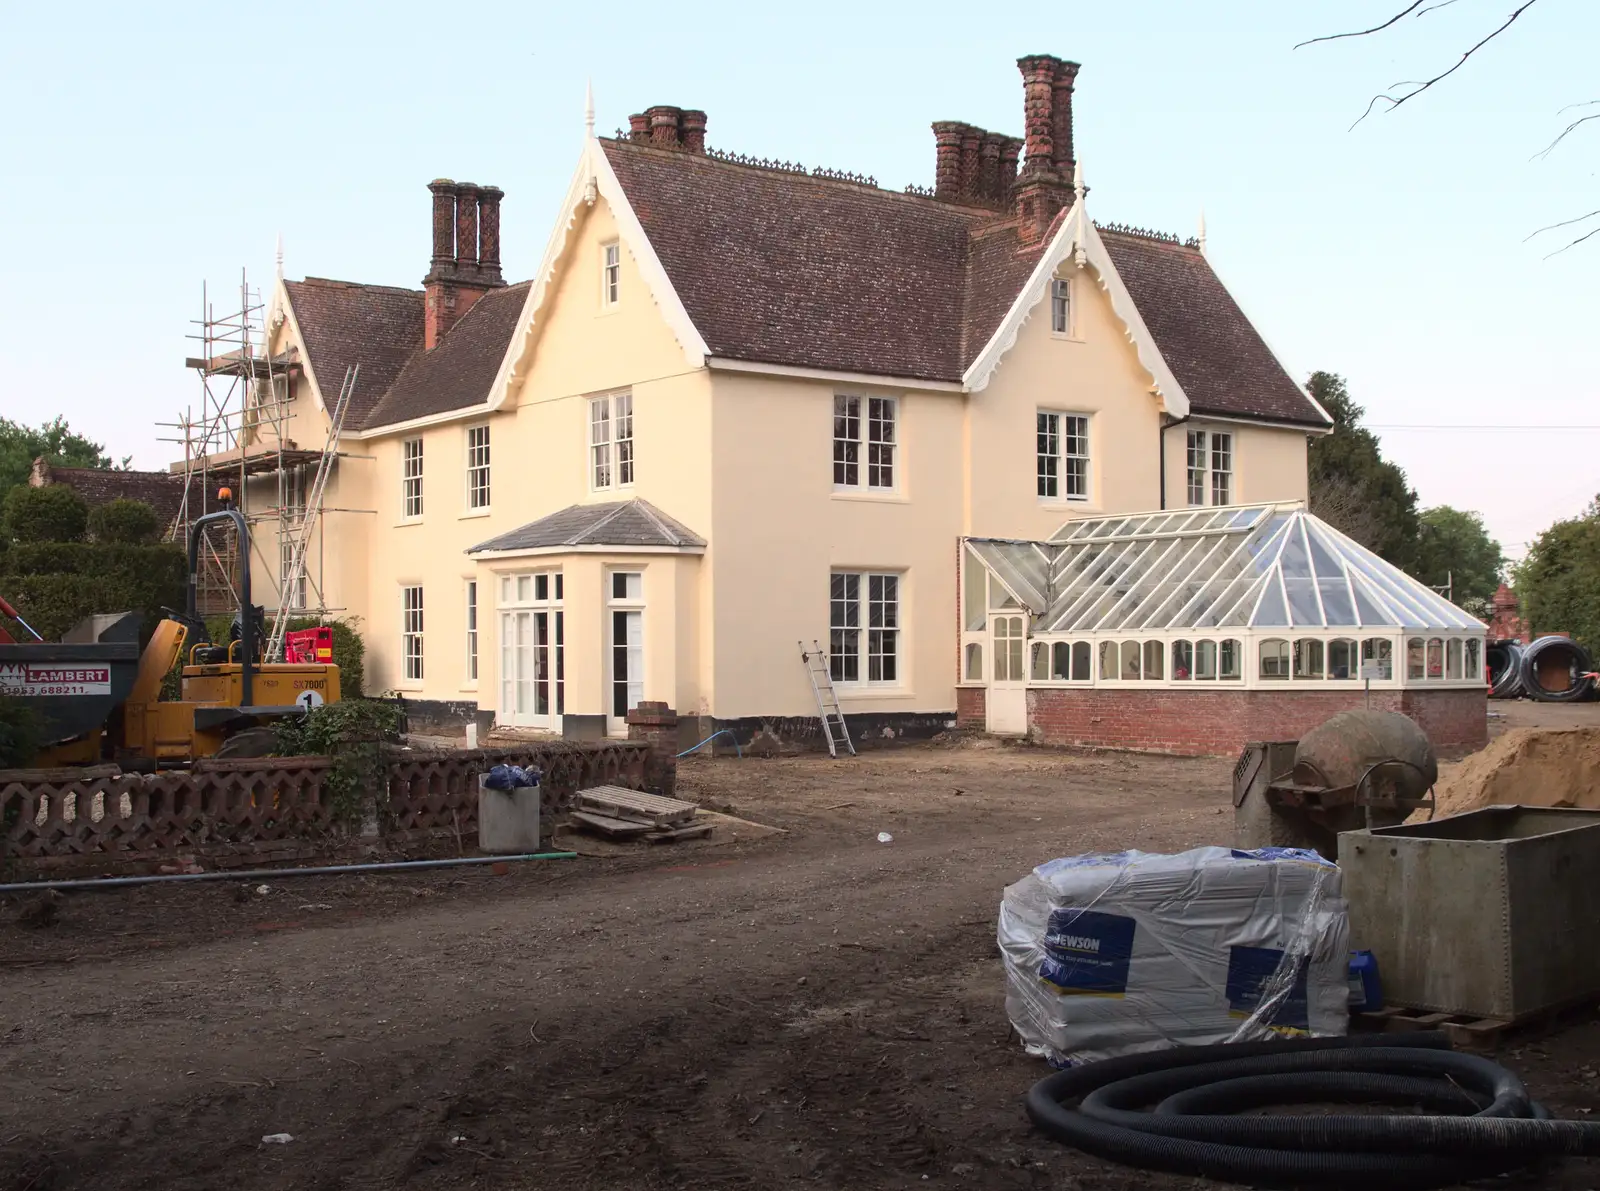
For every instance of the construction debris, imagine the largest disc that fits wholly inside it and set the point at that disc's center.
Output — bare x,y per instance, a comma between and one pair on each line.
623,814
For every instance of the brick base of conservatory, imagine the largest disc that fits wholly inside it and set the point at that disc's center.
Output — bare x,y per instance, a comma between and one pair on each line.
1207,723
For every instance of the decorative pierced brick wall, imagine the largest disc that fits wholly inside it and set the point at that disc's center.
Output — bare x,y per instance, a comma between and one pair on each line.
244,812
972,707
1203,723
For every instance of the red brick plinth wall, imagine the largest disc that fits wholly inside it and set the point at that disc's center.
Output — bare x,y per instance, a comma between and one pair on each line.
972,704
1217,722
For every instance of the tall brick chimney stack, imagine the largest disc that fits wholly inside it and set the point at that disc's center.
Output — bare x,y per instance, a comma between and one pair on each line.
466,254
668,127
947,163
1061,117
692,130
489,230
1044,184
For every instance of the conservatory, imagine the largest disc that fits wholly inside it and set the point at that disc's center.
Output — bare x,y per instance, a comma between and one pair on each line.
1108,619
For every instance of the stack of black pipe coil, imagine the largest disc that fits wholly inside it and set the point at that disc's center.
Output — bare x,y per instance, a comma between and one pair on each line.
1186,1111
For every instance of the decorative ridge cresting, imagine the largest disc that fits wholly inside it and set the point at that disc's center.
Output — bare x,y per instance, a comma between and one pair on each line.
1144,233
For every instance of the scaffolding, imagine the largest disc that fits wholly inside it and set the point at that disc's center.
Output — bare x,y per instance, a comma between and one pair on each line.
237,439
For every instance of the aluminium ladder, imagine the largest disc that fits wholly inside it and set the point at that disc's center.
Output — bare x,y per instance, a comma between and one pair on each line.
834,730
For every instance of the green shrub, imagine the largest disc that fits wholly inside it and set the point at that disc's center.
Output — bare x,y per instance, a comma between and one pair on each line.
54,513
349,652
354,733
128,522
19,733
56,584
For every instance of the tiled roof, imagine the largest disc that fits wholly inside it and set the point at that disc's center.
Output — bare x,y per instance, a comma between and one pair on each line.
345,323
1217,355
614,523
458,372
791,269
787,268
161,490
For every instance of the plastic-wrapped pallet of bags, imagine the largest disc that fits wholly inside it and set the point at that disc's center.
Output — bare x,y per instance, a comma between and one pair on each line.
1113,954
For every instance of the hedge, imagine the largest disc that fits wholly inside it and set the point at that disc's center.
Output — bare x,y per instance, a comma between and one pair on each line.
128,522
54,513
56,584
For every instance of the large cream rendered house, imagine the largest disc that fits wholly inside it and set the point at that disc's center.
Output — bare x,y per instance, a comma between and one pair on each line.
740,407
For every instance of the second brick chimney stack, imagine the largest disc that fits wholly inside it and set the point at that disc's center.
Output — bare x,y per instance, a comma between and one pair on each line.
668,127
465,263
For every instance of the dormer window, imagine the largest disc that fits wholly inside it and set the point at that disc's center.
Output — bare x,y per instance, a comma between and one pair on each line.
1061,306
610,273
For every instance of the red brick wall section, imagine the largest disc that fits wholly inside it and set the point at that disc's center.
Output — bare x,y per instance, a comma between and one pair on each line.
1221,722
972,707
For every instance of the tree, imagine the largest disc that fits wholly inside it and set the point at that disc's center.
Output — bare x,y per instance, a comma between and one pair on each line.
1558,581
1353,487
1455,548
20,445
1403,92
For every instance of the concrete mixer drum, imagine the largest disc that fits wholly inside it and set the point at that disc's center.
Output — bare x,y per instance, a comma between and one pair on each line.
1357,769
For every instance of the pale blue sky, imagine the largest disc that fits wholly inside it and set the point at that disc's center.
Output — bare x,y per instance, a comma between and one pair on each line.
148,148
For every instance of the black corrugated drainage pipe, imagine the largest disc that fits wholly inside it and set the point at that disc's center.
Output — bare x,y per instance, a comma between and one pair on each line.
1558,660
1505,669
1174,1111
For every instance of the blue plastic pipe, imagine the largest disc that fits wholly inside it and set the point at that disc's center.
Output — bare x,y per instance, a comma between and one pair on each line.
713,736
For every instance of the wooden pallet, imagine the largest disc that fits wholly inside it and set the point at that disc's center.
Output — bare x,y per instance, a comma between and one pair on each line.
613,828
1469,1031
619,803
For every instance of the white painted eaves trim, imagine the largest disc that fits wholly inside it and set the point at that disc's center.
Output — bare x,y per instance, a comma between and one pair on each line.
593,178
478,410
1263,423
1077,232
722,364
547,551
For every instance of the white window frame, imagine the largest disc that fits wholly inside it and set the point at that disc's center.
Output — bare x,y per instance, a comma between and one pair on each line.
1063,310
623,603
478,464
610,274
1062,429
611,441
1208,467
473,611
411,461
412,655
872,593
295,599
866,443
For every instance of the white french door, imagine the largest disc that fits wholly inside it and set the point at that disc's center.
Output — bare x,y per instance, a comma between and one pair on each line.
532,652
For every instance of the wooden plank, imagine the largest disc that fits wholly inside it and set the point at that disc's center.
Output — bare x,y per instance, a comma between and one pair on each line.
619,803
616,828
692,831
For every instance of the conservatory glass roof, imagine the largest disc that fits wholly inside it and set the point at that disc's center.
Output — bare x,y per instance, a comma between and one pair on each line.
1247,566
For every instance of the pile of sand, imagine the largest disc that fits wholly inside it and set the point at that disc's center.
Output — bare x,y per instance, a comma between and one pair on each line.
1530,766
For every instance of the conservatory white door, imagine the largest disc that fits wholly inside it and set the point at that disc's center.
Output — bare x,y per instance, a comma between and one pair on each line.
1007,703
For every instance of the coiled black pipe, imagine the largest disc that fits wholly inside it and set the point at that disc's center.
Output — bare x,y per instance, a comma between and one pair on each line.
1505,669
1562,649
1195,1092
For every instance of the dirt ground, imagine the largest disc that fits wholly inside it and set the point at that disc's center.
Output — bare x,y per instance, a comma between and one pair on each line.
810,1008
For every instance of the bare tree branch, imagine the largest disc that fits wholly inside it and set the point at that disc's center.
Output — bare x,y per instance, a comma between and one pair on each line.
1410,8
1591,232
1564,223
1419,88
1545,152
